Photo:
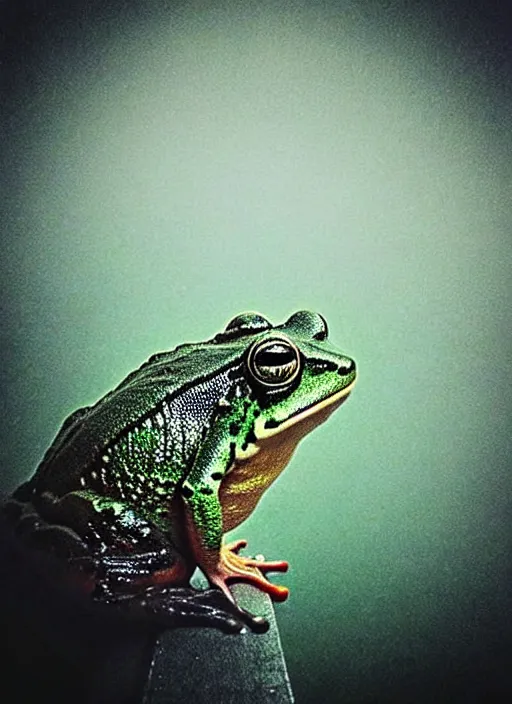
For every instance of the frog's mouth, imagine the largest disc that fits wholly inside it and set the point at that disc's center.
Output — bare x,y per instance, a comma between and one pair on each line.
321,411
295,427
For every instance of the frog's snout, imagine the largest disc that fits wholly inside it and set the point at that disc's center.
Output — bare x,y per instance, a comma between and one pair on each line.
347,366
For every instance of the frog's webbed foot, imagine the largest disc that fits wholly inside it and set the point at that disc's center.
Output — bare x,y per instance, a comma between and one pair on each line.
233,567
171,607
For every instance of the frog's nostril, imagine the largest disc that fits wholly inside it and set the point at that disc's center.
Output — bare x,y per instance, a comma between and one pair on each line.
346,367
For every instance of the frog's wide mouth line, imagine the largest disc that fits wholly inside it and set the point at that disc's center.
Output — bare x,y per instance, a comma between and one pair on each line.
262,433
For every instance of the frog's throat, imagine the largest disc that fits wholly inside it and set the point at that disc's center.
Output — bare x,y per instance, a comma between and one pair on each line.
255,468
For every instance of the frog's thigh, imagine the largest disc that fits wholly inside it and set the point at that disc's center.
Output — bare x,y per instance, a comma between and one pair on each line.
128,546
103,523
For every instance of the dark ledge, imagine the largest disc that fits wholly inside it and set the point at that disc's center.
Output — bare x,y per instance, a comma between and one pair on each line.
205,665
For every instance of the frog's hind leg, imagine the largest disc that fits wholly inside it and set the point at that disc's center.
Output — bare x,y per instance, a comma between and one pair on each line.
127,561
130,550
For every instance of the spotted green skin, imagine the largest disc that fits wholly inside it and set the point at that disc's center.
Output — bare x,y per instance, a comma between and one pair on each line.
119,472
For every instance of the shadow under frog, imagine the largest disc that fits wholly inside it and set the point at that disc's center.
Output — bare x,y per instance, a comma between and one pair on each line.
138,490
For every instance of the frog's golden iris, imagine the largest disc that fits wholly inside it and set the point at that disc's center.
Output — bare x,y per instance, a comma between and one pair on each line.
274,362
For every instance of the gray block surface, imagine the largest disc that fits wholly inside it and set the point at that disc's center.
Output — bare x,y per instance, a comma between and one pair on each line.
205,665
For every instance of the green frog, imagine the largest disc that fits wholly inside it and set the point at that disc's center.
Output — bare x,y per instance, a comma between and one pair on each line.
138,490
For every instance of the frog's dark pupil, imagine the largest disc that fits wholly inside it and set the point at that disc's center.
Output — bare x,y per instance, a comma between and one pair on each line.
275,356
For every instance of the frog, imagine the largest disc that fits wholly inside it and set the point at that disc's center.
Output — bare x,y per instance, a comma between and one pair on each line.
138,490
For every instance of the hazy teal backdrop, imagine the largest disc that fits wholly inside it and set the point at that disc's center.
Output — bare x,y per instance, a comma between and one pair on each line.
166,171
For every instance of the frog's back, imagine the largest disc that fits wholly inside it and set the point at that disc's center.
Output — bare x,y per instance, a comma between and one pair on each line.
86,433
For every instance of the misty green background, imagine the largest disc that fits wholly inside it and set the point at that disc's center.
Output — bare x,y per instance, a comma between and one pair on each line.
164,173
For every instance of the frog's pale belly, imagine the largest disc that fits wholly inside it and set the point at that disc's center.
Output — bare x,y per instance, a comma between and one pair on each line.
249,478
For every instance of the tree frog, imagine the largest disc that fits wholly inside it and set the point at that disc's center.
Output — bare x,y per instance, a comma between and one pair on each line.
139,489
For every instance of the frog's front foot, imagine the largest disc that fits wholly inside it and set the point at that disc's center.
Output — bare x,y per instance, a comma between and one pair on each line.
233,567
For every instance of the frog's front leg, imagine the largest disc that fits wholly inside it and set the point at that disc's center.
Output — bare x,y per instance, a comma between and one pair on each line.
221,563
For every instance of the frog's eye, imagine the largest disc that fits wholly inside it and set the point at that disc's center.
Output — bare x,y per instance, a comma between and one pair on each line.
274,362
249,322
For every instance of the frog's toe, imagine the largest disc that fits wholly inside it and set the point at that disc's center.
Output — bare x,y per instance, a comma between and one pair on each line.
235,546
265,565
258,624
258,561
